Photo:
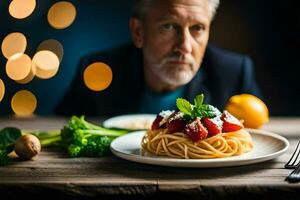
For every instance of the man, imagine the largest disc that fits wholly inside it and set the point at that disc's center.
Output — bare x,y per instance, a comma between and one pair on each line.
170,59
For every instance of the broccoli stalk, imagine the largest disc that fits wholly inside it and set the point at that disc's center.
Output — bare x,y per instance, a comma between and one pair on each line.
47,138
51,141
82,138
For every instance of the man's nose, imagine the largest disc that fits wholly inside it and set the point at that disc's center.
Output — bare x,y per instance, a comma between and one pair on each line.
184,44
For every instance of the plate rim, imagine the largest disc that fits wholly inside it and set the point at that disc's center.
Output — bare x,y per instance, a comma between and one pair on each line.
105,122
205,163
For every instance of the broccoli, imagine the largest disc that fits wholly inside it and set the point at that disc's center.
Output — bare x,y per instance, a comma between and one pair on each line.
82,138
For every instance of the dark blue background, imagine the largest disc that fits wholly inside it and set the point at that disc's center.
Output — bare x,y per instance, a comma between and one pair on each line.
99,25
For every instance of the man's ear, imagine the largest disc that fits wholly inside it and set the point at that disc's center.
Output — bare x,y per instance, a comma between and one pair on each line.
137,34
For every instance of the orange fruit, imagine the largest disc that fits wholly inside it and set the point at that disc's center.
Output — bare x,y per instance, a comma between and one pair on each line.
249,108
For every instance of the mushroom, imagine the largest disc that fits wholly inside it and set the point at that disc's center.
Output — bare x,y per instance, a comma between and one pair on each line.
27,146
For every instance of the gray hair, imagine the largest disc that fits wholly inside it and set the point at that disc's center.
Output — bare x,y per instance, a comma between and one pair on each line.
212,7
140,6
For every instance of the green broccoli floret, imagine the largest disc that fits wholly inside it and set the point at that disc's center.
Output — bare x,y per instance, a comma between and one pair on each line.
82,138
98,146
3,157
75,150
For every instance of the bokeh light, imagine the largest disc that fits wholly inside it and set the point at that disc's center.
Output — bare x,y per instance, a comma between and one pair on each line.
23,103
45,63
18,67
97,76
29,76
2,90
21,9
13,43
53,46
61,15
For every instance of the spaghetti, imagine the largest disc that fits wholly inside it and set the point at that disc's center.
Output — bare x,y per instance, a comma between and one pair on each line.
179,145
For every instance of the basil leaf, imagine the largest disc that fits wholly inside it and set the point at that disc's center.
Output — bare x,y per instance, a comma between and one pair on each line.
198,100
8,137
184,106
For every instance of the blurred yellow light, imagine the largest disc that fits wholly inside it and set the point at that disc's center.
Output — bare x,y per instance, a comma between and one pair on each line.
18,67
23,103
61,14
53,46
21,9
97,76
29,77
45,63
2,90
13,43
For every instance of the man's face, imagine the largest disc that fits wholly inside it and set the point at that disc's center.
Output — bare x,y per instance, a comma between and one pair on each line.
174,37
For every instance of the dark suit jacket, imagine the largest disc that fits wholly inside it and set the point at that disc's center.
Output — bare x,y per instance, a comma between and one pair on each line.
221,75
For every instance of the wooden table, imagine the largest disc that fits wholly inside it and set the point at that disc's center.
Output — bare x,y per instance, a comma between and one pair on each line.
53,174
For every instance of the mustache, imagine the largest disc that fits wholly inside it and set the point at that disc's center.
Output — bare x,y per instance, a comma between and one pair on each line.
179,58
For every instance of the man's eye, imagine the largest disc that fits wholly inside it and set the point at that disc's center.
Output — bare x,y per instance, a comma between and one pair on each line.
198,28
168,27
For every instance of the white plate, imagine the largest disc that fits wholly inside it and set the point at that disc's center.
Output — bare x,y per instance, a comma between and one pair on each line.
267,146
134,121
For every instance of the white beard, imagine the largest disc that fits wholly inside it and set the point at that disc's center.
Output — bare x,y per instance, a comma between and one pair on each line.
172,75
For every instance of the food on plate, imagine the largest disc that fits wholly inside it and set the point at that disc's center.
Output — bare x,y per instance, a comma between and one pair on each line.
248,108
27,146
196,131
